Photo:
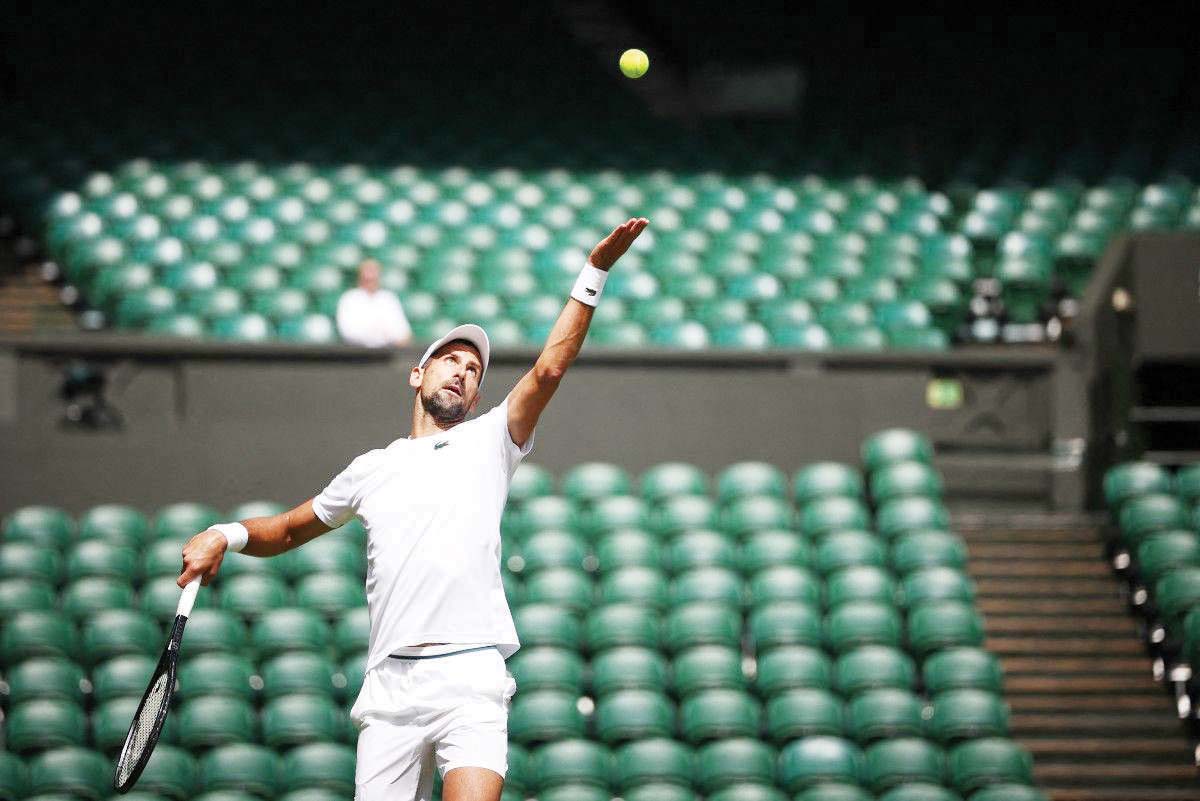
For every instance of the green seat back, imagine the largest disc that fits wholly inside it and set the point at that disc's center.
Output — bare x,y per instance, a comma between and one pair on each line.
70,771
547,668
298,672
862,623
790,667
873,667
41,525
945,624
826,479
702,624
967,715
963,668
215,674
288,629
847,548
804,712
613,625
29,560
211,720
884,713
990,760
707,667
773,547
303,718
628,667
241,767
819,759
573,761
315,767
655,759
902,761
915,550
734,762
44,723
633,715
546,624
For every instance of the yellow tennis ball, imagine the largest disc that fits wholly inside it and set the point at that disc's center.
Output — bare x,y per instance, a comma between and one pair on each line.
634,63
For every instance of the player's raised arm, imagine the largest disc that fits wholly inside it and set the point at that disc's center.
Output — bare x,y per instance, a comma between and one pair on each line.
257,536
531,394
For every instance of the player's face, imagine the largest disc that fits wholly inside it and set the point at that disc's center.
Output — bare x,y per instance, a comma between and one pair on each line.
450,383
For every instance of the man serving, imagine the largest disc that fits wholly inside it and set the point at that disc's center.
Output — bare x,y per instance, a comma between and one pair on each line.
436,691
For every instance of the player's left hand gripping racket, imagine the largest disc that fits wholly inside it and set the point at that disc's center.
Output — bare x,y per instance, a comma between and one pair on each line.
151,713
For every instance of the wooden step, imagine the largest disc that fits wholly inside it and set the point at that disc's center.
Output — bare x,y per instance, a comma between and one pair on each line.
1095,626
1158,704
1001,644
1074,685
1019,587
995,605
982,535
1122,793
997,568
1081,551
1046,772
1113,748
1058,665
1119,727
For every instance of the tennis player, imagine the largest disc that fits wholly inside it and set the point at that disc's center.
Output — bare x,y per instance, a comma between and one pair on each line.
436,692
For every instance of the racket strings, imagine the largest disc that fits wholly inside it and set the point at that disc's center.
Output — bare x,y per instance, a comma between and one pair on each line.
141,733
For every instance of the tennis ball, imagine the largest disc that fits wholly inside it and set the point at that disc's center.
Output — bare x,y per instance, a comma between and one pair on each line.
634,63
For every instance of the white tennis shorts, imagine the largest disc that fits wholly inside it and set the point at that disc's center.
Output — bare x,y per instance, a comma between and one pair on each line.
449,710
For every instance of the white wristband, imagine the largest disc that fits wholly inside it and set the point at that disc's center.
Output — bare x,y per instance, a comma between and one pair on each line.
235,534
589,285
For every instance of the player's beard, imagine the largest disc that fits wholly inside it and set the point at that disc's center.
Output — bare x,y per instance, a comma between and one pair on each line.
444,407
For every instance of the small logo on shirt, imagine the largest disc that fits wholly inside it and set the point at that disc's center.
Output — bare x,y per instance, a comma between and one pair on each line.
589,291
441,444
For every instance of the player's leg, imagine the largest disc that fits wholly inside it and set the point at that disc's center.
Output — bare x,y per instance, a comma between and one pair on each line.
472,784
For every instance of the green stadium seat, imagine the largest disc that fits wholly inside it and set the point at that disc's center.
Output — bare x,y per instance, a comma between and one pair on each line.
827,515
652,760
668,479
319,766
546,624
627,715
834,791
702,624
884,713
40,525
544,716
14,777
627,548
20,595
784,583
71,772
707,667
86,596
756,512
792,667
810,761
164,559
550,511
1175,594
909,514
733,762
903,479
933,584
1187,485
575,792
561,586
1147,514
122,677
180,521
45,678
243,327
297,672
826,479
101,558
895,445
916,550
27,560
209,674
700,548
746,479
1134,479
547,668
352,670
967,715
110,720
251,509
1165,551
989,760
530,481
570,761
962,669
287,629
944,624
708,584
616,512
219,302
772,547
591,481
301,718
114,632
636,585
628,667
216,630
331,593
159,598
36,633
804,712
550,548
920,791
903,760
719,714
1009,792
241,767
212,720
784,623
519,777
862,623
860,583
44,723
620,624
253,594
678,513
842,549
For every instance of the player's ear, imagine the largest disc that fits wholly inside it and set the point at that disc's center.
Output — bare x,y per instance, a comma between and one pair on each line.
414,377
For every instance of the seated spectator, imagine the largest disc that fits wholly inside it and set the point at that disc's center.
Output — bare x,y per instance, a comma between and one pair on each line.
371,316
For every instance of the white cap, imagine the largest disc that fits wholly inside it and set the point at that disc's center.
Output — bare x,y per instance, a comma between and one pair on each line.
471,333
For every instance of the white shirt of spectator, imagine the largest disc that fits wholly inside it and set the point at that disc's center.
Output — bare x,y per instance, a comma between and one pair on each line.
432,507
375,319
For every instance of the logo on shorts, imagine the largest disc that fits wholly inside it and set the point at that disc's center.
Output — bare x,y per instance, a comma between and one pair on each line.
441,444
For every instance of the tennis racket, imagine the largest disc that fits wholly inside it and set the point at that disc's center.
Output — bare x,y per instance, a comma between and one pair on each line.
151,713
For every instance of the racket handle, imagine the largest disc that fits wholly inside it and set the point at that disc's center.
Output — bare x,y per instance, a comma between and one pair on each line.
188,597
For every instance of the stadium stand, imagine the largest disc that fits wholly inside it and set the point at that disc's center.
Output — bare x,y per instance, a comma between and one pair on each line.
744,635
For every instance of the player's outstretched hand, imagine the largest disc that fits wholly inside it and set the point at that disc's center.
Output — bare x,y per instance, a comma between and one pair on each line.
605,254
202,557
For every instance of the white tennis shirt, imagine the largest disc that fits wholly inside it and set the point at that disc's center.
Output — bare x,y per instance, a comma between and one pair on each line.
432,507
375,319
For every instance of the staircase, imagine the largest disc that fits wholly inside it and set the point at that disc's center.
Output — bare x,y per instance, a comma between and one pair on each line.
27,303
1077,677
